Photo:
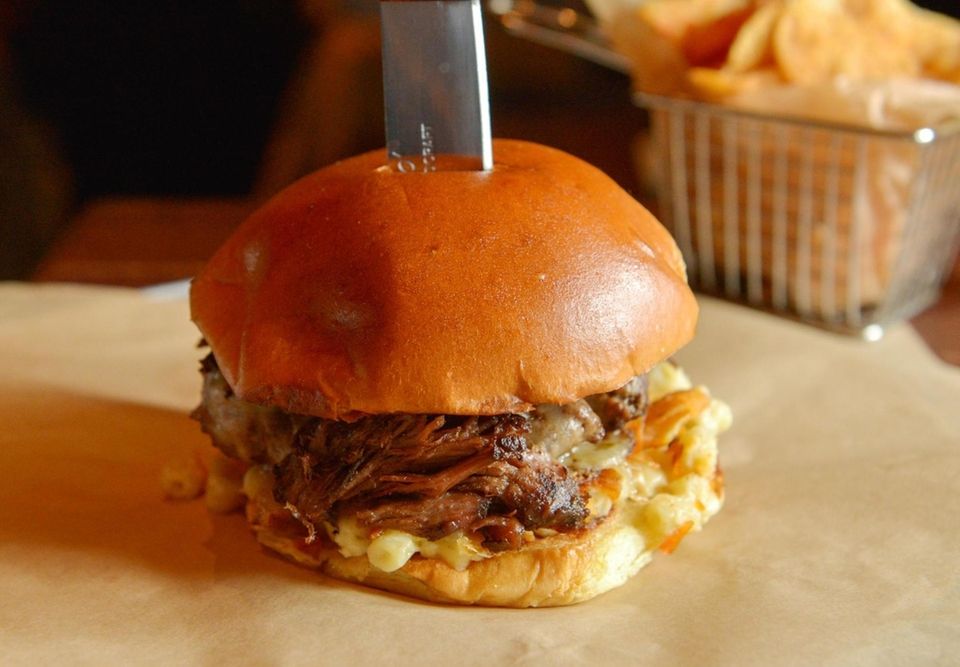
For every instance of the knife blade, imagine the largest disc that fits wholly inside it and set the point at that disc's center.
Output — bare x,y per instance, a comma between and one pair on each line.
436,100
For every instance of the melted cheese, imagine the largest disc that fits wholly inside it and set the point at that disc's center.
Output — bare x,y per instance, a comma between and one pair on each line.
666,378
391,549
608,453
660,499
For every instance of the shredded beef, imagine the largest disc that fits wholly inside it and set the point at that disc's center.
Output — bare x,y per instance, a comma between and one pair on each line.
429,475
405,472
501,533
429,517
616,408
249,432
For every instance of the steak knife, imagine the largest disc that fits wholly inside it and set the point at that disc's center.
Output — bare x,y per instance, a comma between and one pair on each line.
436,101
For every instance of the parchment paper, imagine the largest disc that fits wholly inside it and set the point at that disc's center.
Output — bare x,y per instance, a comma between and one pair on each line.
839,543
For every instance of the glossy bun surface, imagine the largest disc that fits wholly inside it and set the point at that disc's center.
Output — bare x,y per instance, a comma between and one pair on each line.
361,290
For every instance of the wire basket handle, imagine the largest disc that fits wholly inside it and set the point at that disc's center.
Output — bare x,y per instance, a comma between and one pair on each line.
562,28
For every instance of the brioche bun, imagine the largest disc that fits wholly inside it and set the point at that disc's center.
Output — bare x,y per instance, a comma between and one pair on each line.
558,570
362,290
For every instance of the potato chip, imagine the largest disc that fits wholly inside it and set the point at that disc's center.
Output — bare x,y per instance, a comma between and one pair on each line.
674,18
817,40
937,39
702,29
659,65
714,49
807,37
752,46
715,85
708,43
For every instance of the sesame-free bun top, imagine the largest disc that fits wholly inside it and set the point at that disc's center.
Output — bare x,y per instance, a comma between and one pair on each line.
359,289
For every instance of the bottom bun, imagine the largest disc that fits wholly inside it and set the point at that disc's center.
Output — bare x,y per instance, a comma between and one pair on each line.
558,570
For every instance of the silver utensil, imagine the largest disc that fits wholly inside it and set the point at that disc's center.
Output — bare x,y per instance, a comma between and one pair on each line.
436,102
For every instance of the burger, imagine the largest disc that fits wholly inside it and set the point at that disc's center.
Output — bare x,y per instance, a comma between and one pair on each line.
457,385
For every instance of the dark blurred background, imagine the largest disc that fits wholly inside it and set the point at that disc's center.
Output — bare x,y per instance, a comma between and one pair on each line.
172,97
107,99
225,98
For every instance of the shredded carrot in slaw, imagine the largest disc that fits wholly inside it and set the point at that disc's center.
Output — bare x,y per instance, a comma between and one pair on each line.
675,538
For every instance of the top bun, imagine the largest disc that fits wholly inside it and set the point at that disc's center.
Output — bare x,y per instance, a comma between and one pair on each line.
362,290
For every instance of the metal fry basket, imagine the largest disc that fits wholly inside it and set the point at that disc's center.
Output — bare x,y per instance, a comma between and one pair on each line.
845,228
849,229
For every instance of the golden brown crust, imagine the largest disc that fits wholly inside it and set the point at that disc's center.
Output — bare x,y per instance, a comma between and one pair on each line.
552,571
358,289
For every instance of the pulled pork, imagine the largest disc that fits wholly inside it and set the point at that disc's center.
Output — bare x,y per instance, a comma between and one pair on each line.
429,475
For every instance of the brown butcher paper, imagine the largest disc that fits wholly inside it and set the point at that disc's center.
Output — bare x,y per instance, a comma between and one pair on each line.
839,542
